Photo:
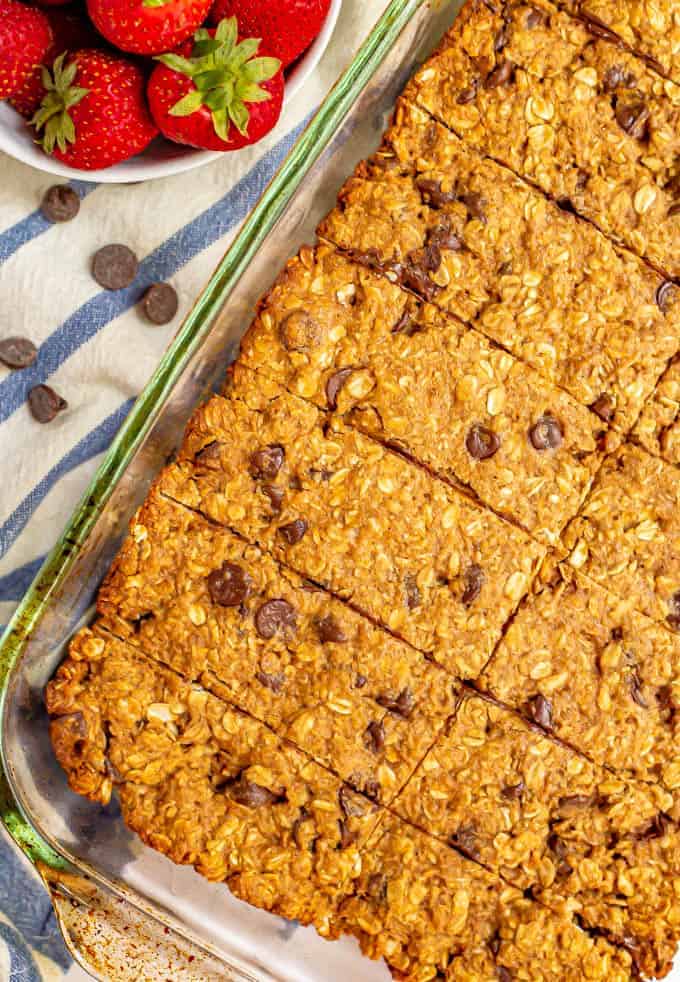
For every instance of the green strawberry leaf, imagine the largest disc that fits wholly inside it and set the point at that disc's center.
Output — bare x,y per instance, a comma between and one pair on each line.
261,69
191,102
61,94
227,31
239,116
178,64
221,124
155,3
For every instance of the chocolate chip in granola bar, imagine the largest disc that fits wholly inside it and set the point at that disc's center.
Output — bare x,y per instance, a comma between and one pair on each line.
546,433
160,303
230,585
401,705
481,442
442,236
502,74
299,331
416,278
469,94
465,838
413,597
604,407
654,829
293,532
540,710
513,792
570,804
535,18
17,352
664,697
473,578
274,681
334,384
665,296
253,795
60,203
374,737
360,681
267,462
115,266
618,76
45,403
351,803
501,39
274,616
432,193
406,325
330,631
275,496
673,210
503,974
475,204
635,686
347,835
633,118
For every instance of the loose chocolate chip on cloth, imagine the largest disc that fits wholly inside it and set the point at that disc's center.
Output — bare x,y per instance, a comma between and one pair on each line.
160,303
60,203
17,352
115,266
45,403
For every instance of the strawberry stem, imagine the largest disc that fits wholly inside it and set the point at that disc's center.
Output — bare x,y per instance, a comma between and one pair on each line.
60,96
226,76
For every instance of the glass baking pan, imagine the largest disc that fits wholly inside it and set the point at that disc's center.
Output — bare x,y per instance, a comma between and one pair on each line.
126,912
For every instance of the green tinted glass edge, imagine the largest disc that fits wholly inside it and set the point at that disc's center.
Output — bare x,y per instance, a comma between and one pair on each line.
145,410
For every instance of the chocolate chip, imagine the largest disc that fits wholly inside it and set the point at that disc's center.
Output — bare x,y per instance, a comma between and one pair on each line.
503,974
60,203
535,18
673,621
347,836
570,804
665,296
664,697
275,496
114,267
618,76
473,577
481,442
656,828
501,39
442,236
294,531
275,681
635,685
253,795
335,384
403,705
267,462
274,616
360,681
503,73
406,325
546,433
351,803
556,845
209,455
229,585
416,278
514,792
413,597
466,840
160,303
330,631
17,352
633,118
673,210
540,710
475,204
604,408
374,737
44,403
468,95
432,194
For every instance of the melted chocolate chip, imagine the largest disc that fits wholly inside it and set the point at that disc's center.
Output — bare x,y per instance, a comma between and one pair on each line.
503,974
403,705
656,828
635,685
513,792
481,442
416,278
466,840
604,408
665,296
475,204
275,681
274,616
360,681
374,737
351,803
503,74
253,795
267,462
330,631
347,836
229,585
275,496
546,433
294,532
618,76
413,597
535,18
473,578
468,95
633,118
540,710
334,384
432,194
443,237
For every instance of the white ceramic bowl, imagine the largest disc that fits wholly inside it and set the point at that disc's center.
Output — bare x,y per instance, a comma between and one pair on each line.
162,158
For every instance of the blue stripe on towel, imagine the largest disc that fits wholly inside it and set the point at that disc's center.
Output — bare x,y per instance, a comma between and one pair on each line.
34,224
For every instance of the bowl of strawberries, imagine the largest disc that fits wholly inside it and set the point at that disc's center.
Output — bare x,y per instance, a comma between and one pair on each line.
131,90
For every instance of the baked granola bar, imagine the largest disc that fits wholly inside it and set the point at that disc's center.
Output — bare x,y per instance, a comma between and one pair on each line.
627,534
468,235
584,665
205,784
566,831
433,914
220,611
411,552
658,429
588,122
651,28
418,379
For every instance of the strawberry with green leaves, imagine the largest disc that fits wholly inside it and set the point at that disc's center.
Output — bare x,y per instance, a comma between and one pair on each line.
147,27
285,27
25,39
94,113
217,93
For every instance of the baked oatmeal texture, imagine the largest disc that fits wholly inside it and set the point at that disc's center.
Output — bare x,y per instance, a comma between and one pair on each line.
392,648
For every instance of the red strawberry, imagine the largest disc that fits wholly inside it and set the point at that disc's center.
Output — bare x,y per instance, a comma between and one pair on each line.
70,32
25,36
147,27
94,114
214,93
286,27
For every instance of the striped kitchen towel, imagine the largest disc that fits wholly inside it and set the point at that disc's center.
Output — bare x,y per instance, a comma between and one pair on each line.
97,352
